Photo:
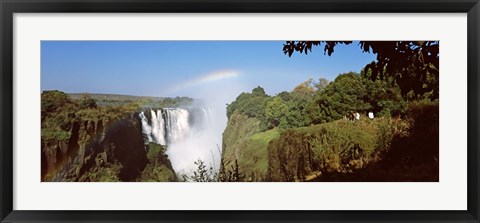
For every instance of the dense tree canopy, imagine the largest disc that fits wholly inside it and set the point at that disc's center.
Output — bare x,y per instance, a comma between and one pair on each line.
53,100
275,111
312,102
352,93
250,104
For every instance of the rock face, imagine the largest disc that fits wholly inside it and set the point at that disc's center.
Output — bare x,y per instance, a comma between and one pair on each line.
124,141
81,141
244,144
109,149
239,127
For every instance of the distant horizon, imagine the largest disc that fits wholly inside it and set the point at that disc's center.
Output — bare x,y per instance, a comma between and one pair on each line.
195,69
130,95
112,94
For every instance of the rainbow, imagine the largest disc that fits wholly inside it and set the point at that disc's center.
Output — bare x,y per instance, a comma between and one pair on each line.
212,77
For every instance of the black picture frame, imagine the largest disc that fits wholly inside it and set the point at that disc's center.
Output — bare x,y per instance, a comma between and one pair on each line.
9,7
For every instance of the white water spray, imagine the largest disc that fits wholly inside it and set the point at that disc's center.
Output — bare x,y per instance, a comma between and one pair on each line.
158,127
146,128
188,134
177,124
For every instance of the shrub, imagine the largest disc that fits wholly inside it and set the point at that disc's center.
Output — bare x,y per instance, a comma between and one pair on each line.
53,100
87,102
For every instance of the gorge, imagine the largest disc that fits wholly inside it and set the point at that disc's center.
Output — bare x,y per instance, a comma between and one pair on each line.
188,133
126,141
200,142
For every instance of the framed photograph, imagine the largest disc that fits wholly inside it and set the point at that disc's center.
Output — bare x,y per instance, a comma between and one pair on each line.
233,111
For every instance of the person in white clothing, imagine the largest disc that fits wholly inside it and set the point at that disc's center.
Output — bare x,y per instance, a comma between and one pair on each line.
370,115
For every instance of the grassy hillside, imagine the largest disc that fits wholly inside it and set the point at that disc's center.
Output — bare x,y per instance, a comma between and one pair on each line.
380,149
243,142
252,155
296,154
341,146
383,149
410,156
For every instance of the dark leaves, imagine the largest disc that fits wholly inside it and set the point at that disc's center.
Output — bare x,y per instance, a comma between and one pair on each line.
407,62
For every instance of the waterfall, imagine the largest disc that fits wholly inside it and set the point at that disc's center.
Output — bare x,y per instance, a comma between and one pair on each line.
189,135
168,126
158,127
146,129
177,124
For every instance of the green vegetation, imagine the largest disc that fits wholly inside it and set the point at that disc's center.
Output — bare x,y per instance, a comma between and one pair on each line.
201,174
159,167
87,102
412,65
102,174
59,110
341,146
309,134
55,134
250,153
239,128
85,141
141,101
313,103
306,134
251,105
390,147
352,93
54,100
228,173
274,112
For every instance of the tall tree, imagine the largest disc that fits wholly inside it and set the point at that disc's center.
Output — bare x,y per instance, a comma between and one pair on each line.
322,83
344,95
306,88
275,110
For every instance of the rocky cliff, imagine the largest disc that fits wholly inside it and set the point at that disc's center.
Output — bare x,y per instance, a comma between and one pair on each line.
116,152
245,143
95,144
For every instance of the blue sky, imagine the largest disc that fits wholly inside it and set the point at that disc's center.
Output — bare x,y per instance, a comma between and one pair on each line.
187,68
